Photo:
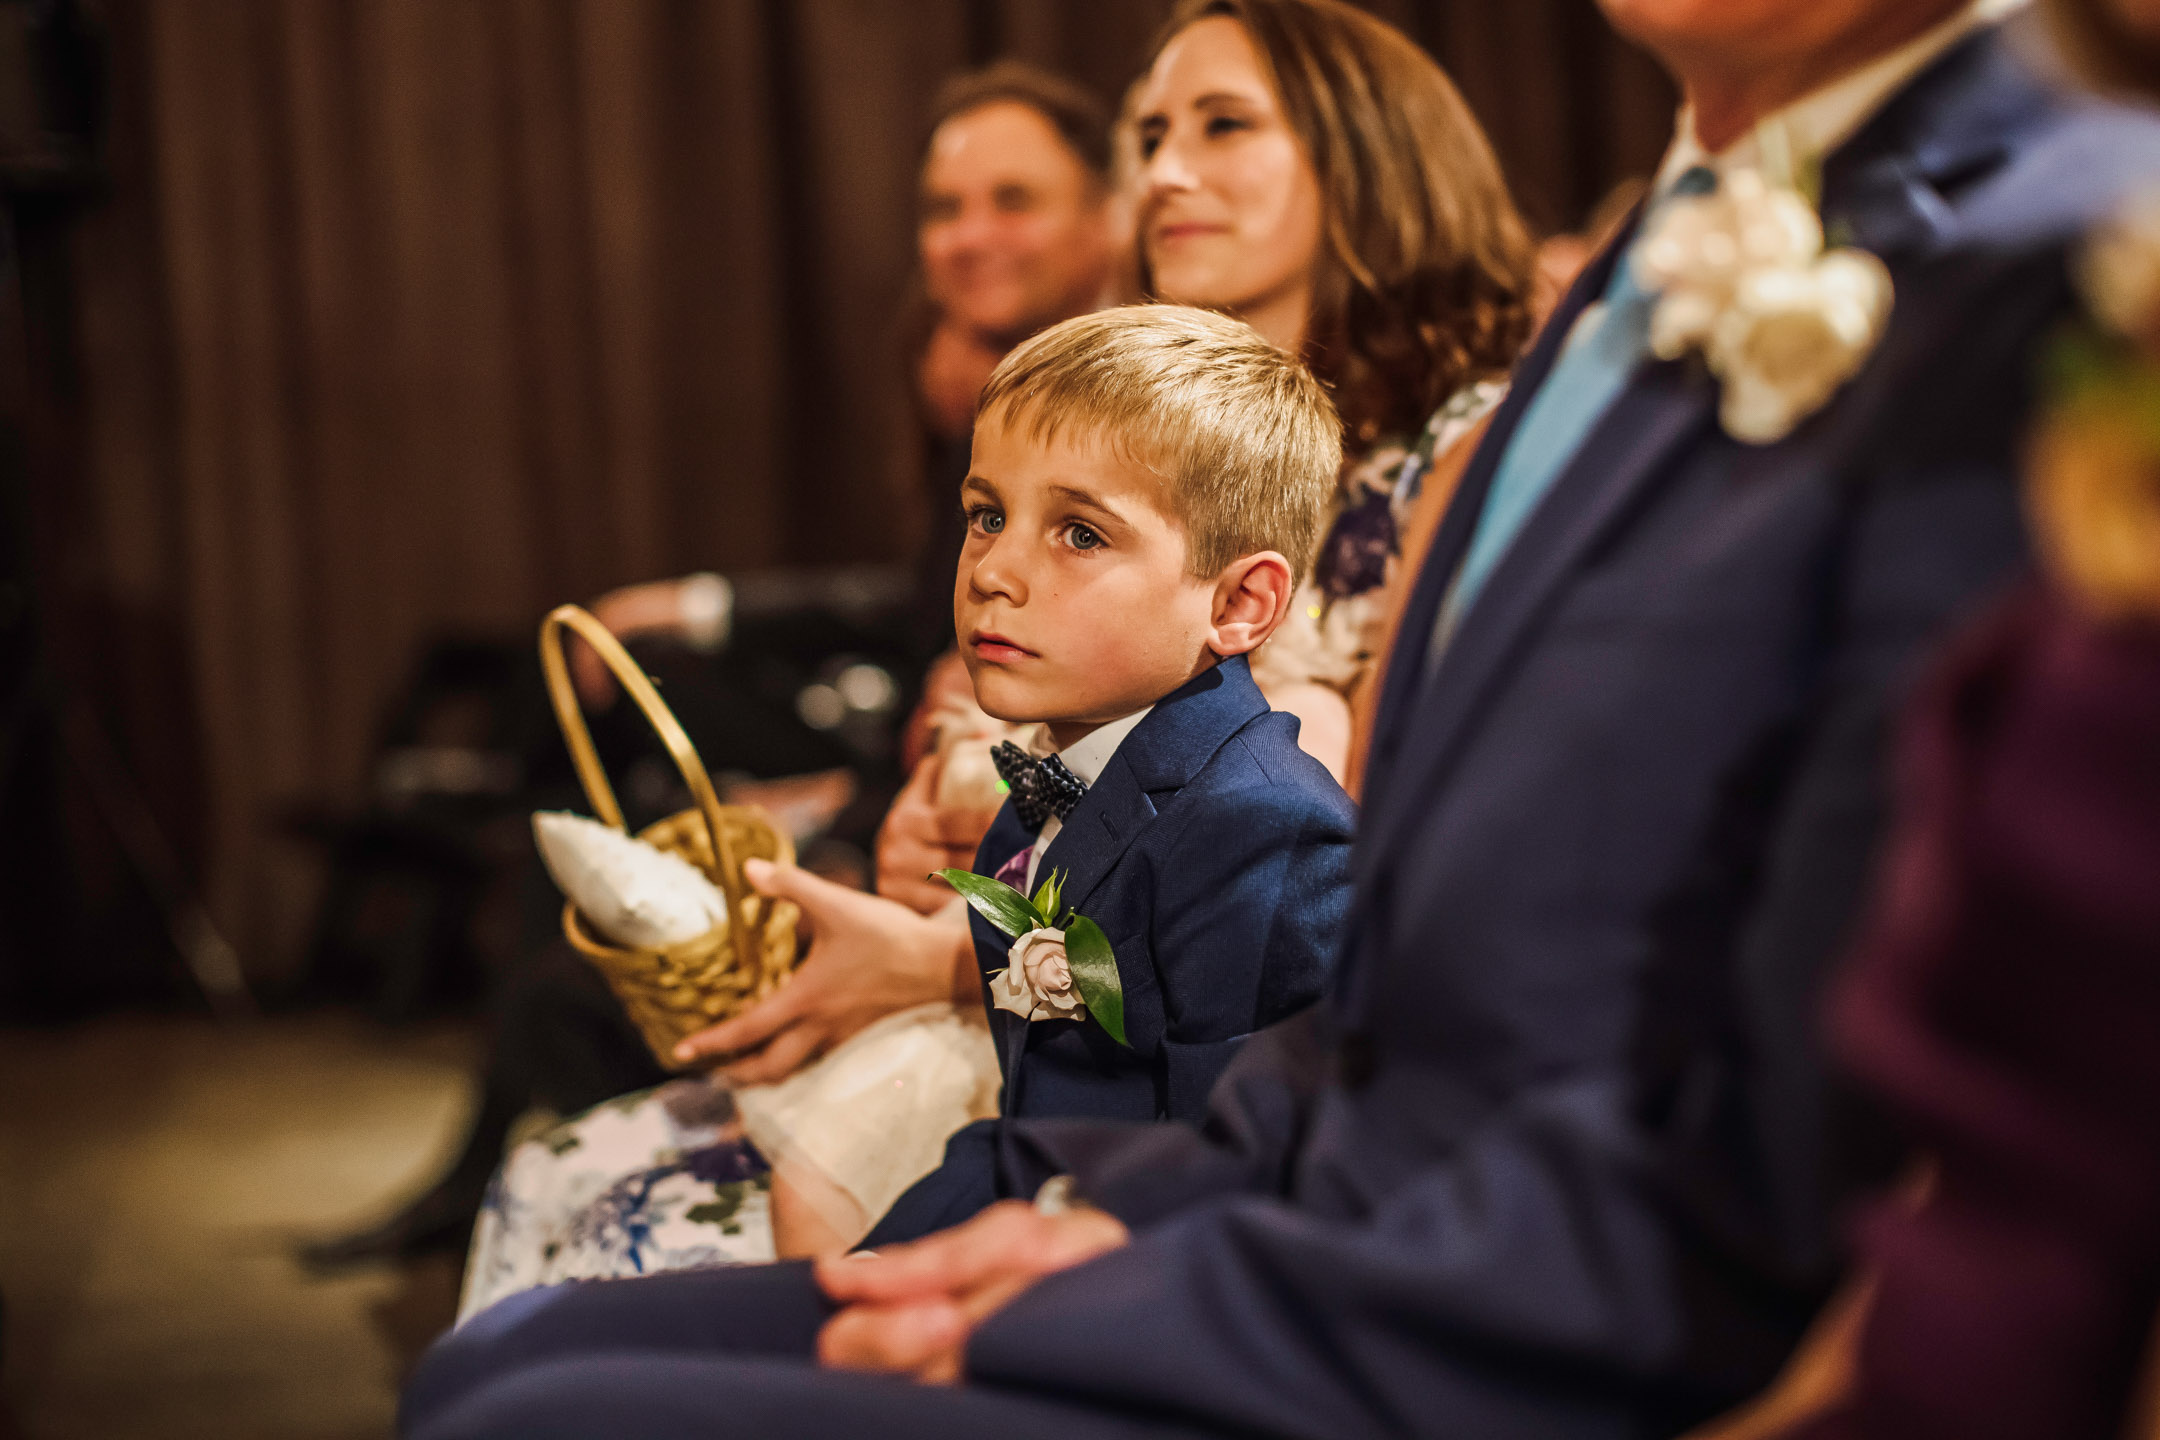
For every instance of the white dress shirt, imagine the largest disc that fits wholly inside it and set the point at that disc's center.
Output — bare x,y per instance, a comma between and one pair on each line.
1086,757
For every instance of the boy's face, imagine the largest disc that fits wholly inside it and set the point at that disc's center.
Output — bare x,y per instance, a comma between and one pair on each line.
1074,604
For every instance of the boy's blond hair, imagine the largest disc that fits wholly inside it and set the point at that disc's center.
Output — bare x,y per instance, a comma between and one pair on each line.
1246,439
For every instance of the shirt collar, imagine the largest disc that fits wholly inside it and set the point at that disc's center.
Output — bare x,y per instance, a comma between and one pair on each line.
1819,122
1087,756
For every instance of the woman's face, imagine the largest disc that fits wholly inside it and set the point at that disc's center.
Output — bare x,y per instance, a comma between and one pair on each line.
1230,210
1012,228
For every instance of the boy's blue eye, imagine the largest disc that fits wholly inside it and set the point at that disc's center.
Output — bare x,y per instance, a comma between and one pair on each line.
984,518
1084,539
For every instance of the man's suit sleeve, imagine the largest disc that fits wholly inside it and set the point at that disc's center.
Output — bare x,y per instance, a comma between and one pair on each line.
1257,1114
1469,1294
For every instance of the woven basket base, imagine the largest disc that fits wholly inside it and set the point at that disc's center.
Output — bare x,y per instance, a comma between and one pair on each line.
674,993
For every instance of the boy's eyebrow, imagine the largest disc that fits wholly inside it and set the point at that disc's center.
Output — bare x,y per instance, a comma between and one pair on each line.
1073,495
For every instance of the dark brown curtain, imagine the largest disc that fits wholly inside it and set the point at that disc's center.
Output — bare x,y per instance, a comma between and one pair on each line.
405,317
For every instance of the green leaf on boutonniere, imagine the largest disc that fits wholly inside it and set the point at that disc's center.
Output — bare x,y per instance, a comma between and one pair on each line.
1047,899
994,900
1095,975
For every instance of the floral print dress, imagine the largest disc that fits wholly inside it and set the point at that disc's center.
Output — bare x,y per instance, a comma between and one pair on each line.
656,1180
1338,620
680,1177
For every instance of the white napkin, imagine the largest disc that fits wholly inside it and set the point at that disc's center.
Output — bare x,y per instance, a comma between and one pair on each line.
855,1129
633,894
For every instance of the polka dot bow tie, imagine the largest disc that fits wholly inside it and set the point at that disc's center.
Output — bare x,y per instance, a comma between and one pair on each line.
1040,788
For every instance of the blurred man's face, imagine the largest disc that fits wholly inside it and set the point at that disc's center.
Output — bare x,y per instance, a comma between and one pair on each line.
1013,230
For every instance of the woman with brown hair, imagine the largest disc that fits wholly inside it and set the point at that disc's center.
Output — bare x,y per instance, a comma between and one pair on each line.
1307,168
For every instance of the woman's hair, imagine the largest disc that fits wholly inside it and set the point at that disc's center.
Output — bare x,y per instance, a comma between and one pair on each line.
2105,52
1424,280
1078,115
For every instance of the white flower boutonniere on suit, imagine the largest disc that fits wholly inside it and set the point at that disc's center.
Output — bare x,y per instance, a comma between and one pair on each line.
1037,983
1742,276
1060,966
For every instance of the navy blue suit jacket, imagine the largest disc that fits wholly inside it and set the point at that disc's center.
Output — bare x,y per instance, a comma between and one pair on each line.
1558,1155
1215,854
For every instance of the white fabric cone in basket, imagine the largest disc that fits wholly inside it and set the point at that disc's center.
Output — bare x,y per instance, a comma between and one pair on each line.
632,893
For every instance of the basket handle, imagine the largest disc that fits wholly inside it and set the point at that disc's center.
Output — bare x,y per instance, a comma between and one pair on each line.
571,717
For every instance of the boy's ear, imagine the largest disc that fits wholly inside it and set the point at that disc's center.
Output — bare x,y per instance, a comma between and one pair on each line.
1252,596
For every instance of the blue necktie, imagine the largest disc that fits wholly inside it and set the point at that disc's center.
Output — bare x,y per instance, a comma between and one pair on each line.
1594,365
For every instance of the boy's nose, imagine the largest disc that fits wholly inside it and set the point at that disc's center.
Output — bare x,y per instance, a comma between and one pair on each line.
998,573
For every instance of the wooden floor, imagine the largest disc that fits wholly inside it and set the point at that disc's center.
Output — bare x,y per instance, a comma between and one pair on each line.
154,1178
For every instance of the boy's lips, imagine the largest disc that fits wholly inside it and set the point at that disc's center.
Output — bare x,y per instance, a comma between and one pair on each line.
989,645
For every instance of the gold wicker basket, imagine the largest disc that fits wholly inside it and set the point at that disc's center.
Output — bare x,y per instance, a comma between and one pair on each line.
678,991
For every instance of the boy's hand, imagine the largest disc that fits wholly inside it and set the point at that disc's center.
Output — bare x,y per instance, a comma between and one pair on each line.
918,839
869,957
910,1309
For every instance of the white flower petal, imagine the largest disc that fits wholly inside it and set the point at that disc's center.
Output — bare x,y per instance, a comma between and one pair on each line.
1682,320
1742,276
1038,978
1861,277
1010,993
1756,414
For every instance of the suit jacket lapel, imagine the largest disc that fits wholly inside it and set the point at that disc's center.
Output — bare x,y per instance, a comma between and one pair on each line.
1889,188
1179,736
1406,670
1623,455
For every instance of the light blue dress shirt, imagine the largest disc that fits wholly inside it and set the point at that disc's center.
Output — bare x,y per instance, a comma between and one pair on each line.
1609,340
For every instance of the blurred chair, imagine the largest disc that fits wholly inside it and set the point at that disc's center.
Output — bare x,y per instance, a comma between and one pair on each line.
441,824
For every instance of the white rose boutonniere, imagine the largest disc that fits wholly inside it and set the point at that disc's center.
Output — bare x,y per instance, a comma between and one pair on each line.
1037,983
1742,276
1058,968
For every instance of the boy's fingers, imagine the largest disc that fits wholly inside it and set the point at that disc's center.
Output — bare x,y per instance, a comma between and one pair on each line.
794,1048
824,903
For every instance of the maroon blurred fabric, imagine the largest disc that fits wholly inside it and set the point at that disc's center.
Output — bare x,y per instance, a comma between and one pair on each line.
2007,1001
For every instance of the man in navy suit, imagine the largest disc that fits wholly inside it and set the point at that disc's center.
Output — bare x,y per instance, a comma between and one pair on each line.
1557,1156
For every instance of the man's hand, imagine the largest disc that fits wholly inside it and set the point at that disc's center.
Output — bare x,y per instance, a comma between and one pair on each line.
910,1309
919,838
869,957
